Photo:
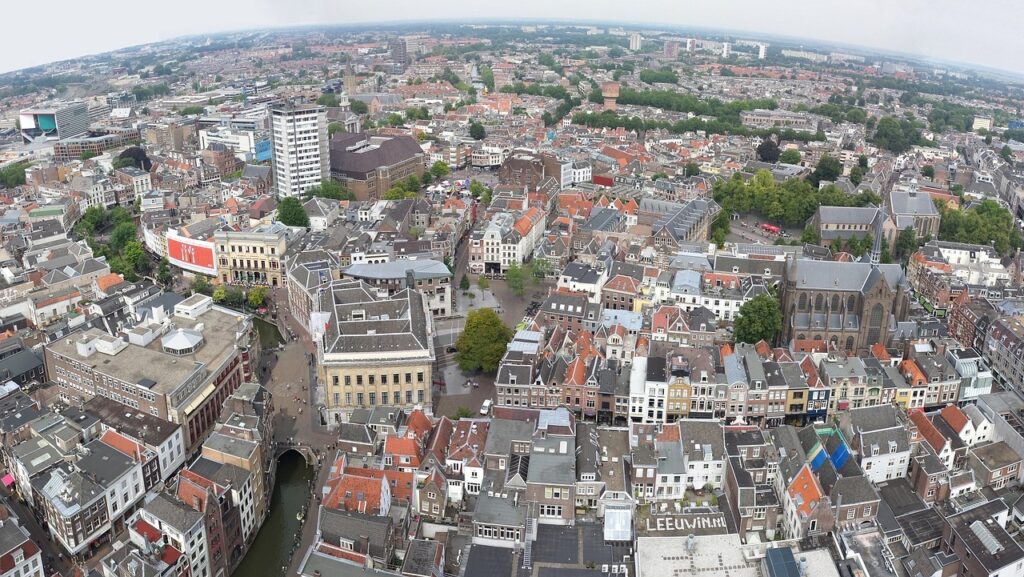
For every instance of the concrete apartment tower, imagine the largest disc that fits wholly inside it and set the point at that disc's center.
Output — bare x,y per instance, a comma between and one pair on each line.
300,156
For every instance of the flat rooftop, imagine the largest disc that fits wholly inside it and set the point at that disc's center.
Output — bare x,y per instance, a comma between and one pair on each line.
612,471
154,369
133,423
716,556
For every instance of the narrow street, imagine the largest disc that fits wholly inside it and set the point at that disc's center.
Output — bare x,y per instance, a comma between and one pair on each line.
53,558
290,377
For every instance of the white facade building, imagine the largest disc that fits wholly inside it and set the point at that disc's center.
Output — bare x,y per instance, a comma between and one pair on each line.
300,153
182,526
646,396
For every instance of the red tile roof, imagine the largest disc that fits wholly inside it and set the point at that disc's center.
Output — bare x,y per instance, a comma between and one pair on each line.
467,435
879,352
418,425
404,447
346,494
806,486
123,444
927,430
28,549
954,417
109,280
623,283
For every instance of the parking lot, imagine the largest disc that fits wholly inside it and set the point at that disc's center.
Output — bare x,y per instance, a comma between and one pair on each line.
747,229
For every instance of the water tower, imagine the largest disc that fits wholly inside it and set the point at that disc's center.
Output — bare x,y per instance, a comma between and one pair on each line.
610,92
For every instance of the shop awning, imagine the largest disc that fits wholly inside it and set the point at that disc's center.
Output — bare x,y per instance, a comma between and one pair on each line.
8,480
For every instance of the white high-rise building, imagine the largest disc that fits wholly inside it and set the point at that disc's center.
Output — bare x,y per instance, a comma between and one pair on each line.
636,42
762,51
726,50
300,157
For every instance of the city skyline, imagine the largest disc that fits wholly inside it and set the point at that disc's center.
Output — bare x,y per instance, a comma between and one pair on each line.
873,25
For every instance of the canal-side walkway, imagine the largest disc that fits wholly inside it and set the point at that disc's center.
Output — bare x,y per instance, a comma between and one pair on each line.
291,380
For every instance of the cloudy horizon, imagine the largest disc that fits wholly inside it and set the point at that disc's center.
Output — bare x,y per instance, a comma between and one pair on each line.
937,29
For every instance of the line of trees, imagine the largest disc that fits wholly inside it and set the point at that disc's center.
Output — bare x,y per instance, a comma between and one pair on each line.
669,100
987,224
609,119
898,135
13,175
122,249
664,76
791,202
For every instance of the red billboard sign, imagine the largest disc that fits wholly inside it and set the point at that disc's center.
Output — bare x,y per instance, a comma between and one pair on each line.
194,255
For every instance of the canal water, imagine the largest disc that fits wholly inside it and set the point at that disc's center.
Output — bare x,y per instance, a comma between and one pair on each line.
269,554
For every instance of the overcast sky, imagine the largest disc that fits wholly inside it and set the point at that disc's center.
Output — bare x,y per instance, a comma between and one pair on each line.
985,32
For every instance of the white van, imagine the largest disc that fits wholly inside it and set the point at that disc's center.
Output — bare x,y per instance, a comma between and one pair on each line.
486,407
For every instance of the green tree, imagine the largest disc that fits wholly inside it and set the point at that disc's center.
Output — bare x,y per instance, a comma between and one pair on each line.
906,243
476,188
122,235
828,169
759,319
192,110
885,256
515,279
482,343
398,193
768,151
464,283
856,175
13,175
334,128
896,135
986,223
134,256
487,77
329,100
291,213
809,236
862,161
234,297
928,171
331,189
200,284
790,156
462,413
439,169
87,155
257,295
483,284
720,228
163,274
539,268
122,163
395,119
120,215
358,106
219,293
1006,153
691,169
412,183
477,131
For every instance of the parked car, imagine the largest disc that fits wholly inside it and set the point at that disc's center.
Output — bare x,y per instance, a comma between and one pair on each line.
486,407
